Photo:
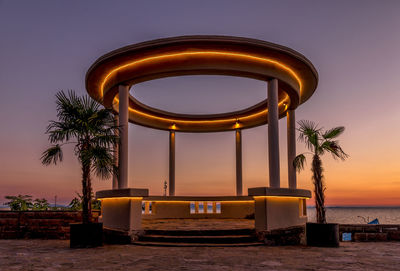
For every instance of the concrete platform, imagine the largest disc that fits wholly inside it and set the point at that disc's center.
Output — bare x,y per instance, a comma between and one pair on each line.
121,193
278,192
56,255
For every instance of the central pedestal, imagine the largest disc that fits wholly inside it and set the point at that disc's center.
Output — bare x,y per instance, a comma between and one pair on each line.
121,209
278,208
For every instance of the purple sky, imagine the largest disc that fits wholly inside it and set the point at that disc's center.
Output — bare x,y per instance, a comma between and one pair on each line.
46,46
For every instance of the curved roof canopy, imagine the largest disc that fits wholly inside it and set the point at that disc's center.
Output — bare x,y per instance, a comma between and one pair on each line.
202,55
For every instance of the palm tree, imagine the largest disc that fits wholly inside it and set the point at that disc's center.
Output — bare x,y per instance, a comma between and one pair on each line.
91,129
318,142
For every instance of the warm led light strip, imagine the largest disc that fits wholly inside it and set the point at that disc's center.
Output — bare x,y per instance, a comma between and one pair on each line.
226,201
166,56
125,198
195,200
280,197
116,101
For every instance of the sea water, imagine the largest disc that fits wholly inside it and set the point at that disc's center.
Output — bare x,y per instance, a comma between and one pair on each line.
343,215
358,215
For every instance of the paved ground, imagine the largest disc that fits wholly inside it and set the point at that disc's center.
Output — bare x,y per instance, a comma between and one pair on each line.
55,255
197,224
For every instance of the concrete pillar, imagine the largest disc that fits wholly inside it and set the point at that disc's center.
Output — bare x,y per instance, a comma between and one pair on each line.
273,134
123,147
277,213
172,163
239,184
122,214
147,207
115,177
260,213
291,147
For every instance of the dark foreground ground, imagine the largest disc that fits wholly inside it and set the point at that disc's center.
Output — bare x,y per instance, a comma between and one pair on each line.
56,255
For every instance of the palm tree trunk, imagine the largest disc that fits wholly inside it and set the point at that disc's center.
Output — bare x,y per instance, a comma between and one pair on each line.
86,195
319,189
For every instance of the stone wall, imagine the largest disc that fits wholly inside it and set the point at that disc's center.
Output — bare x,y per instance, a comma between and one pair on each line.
359,233
371,233
291,236
37,224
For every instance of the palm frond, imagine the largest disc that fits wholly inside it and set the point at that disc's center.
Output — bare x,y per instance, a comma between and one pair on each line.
299,162
101,119
103,162
116,170
52,155
91,106
67,106
105,140
61,131
333,133
334,148
309,134
92,127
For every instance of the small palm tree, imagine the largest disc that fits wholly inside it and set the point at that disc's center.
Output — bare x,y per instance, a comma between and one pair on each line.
91,129
19,203
318,142
41,205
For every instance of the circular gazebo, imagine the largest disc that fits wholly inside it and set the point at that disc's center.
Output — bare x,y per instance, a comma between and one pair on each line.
291,79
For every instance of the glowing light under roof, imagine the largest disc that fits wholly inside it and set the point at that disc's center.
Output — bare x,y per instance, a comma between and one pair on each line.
205,53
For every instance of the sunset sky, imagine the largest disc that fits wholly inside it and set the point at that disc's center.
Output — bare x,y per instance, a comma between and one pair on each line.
47,46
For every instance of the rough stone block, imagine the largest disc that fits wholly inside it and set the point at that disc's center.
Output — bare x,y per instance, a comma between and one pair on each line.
360,237
37,224
393,236
391,229
282,237
370,237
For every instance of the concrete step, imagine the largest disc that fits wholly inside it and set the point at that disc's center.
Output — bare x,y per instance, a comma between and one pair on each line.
201,232
199,237
168,244
226,239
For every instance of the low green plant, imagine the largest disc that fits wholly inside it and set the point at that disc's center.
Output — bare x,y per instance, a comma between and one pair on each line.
19,203
96,204
41,205
25,203
75,204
